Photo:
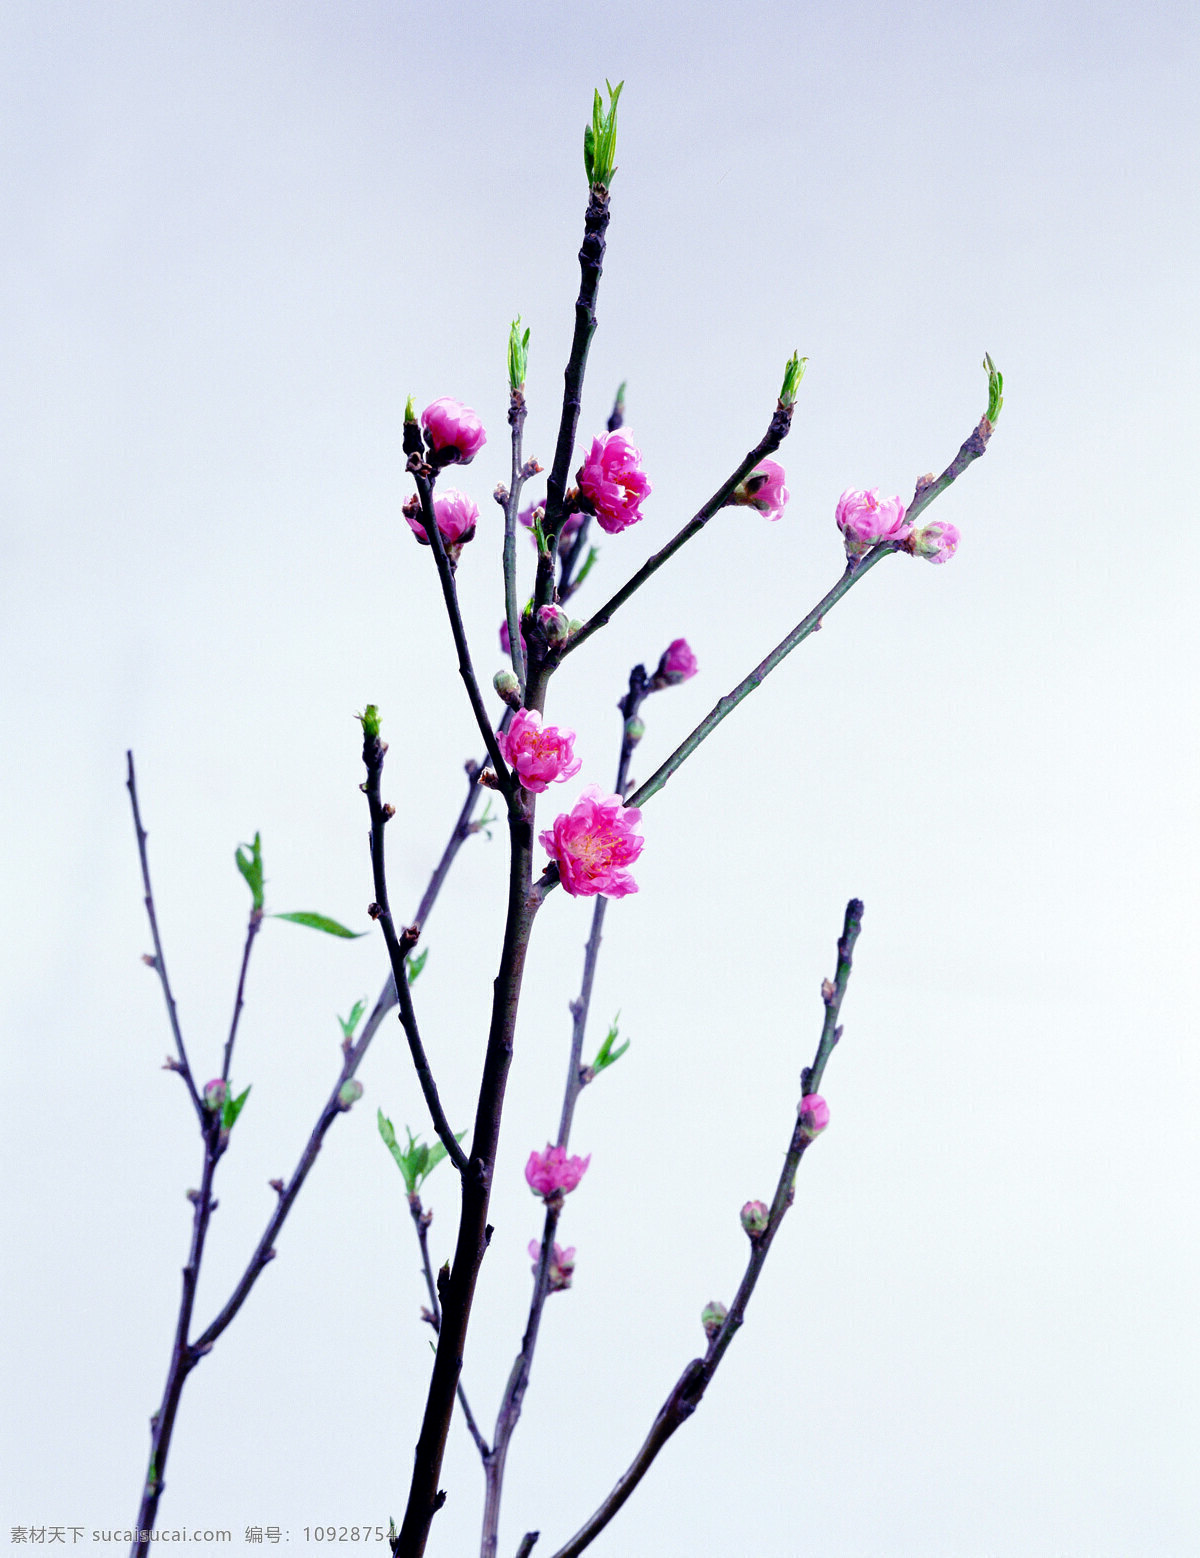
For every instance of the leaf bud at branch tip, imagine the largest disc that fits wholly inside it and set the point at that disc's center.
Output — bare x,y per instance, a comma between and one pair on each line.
792,375
995,390
370,721
600,139
518,355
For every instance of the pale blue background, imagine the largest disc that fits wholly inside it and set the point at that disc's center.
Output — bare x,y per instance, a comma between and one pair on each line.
237,236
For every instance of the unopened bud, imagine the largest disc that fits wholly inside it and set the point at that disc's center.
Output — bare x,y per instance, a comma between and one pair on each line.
828,991
555,624
215,1094
508,687
349,1093
755,1215
814,1115
635,729
369,720
712,1318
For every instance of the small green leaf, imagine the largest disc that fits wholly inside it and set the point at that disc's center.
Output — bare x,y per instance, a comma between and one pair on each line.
348,1024
251,867
319,922
600,138
606,1055
233,1107
415,964
995,388
418,1160
518,355
369,718
792,376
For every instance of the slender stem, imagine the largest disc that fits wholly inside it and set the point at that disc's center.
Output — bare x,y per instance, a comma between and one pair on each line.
252,929
160,962
591,263
424,483
421,1220
527,1543
398,949
777,431
928,488
512,504
184,1355
689,1389
744,688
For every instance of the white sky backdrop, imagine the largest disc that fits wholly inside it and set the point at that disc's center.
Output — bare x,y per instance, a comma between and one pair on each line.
238,236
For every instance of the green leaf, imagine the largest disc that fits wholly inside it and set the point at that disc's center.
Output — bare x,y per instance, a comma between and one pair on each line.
251,867
588,563
792,376
414,965
319,922
348,1024
995,388
606,1055
600,138
233,1107
518,355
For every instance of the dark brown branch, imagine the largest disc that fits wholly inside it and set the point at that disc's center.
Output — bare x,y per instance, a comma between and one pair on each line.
693,1382
160,962
398,947
256,916
434,1313
777,431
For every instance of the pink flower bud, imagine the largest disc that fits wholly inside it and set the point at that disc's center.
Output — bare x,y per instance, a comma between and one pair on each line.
593,843
555,624
456,517
764,489
866,519
455,434
814,1115
548,1172
562,1265
677,665
712,1317
755,1216
612,480
936,542
508,687
540,757
215,1094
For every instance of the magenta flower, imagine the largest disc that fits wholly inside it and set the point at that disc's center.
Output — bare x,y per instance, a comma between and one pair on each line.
814,1115
612,480
562,1264
456,517
540,757
677,664
936,542
454,432
593,843
865,519
548,1172
764,489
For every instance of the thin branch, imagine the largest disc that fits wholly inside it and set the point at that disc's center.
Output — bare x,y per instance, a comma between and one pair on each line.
398,949
423,478
160,962
421,1220
527,1542
777,431
512,504
256,916
693,1382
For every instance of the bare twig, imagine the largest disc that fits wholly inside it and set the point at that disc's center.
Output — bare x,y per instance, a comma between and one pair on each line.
421,1221
160,962
693,1382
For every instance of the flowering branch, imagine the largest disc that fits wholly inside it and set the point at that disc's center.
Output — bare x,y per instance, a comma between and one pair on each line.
421,1220
777,431
159,962
518,1380
399,947
693,1382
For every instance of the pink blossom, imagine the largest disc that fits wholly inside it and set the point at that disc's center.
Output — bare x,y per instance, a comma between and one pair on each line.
677,664
551,1171
456,517
612,479
555,624
540,757
936,542
562,1264
814,1115
764,489
865,519
593,843
454,432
